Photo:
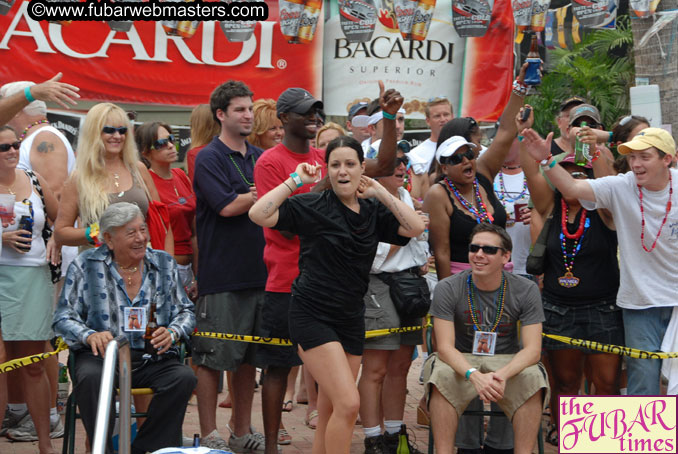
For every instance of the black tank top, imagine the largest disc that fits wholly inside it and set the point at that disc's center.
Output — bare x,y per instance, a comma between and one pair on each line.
595,264
461,224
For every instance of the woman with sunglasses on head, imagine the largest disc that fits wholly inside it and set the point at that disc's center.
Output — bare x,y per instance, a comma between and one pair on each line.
386,360
157,147
581,277
108,170
26,291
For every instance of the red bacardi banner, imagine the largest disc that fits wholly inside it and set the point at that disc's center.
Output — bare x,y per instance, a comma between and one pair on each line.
145,65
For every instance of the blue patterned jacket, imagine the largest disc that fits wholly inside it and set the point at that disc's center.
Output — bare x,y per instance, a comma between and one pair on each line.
94,298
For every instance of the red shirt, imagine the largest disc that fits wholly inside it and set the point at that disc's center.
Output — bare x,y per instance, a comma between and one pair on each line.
190,160
281,255
173,192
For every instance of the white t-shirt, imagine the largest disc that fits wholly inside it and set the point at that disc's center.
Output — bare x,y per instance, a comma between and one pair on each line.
412,254
647,279
519,232
422,156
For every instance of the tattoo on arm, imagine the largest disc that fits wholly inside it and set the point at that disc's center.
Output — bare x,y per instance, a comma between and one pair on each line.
395,209
45,147
267,209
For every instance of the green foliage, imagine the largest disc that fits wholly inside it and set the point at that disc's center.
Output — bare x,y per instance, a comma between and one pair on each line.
600,68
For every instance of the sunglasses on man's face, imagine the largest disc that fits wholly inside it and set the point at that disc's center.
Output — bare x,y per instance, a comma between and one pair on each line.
402,160
458,158
488,250
162,143
122,130
590,124
6,146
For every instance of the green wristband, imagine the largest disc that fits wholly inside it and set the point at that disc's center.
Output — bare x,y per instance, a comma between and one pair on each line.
388,116
28,95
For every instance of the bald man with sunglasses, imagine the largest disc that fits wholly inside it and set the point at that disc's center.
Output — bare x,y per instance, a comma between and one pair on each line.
476,314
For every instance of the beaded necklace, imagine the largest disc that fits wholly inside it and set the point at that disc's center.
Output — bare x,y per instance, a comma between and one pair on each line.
568,280
499,305
242,175
481,214
642,216
503,193
35,123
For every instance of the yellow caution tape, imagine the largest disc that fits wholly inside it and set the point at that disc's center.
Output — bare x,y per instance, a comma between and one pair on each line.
32,359
615,349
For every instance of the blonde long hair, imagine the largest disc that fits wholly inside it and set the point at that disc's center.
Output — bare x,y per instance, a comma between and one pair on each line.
91,176
203,126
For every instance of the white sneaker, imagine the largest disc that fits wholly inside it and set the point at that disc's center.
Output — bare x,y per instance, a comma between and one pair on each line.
11,421
25,431
214,441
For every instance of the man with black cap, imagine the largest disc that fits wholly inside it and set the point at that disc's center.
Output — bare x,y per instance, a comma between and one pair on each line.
299,113
563,144
359,133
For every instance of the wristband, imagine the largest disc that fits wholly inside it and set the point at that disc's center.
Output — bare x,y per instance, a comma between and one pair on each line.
609,139
387,115
520,138
173,335
469,372
88,236
549,165
297,179
28,95
545,161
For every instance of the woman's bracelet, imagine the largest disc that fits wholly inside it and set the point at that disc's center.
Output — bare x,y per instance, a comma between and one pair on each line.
288,187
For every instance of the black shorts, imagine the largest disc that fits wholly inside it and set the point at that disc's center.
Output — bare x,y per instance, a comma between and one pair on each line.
274,323
309,331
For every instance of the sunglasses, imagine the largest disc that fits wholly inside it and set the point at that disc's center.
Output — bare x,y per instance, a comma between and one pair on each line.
458,158
488,250
402,160
162,143
6,146
122,130
405,146
590,124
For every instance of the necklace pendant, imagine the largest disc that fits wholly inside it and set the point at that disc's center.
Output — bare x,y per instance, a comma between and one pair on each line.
568,280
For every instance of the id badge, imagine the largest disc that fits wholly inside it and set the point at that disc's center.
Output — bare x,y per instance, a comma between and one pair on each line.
484,343
135,319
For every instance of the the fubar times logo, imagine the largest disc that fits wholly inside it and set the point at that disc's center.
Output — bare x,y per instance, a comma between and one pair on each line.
617,424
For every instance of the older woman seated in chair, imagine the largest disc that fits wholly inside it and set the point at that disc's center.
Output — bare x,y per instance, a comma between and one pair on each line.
104,288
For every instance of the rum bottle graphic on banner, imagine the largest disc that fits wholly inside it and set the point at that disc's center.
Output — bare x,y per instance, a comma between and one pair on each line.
237,31
309,20
404,12
357,18
290,14
387,15
522,13
187,28
170,26
422,19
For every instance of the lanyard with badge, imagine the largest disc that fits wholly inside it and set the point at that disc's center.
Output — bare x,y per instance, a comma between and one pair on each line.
484,342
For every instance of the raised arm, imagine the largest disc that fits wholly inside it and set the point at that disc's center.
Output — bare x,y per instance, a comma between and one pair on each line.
390,101
50,90
540,150
411,224
265,211
490,162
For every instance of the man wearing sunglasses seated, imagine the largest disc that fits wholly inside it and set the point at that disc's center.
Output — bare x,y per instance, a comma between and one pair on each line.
484,305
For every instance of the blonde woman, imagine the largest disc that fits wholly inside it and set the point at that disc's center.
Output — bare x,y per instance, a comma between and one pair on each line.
107,171
327,133
267,130
203,129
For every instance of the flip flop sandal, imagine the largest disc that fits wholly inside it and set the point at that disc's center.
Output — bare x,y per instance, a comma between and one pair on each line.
288,406
311,420
284,438
552,435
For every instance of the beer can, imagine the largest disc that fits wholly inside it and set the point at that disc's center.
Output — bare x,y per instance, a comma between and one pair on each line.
5,6
290,14
309,20
404,12
422,19
357,18
538,20
170,27
522,13
187,28
237,31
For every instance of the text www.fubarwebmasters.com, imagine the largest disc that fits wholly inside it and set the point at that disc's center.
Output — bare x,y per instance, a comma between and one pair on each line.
146,11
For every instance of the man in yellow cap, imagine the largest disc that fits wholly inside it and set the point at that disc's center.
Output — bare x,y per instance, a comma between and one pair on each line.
641,204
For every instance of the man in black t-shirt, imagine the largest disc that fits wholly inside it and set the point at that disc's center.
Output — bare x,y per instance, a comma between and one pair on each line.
476,328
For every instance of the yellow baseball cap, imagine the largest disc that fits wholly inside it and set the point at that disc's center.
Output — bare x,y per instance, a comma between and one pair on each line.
650,137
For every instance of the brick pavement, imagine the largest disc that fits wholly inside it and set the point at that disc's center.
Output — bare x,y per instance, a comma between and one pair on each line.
302,436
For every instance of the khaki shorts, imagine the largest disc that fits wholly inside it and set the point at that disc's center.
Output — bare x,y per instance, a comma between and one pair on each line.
459,392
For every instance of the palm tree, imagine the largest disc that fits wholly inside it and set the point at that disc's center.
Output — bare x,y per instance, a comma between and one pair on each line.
600,68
